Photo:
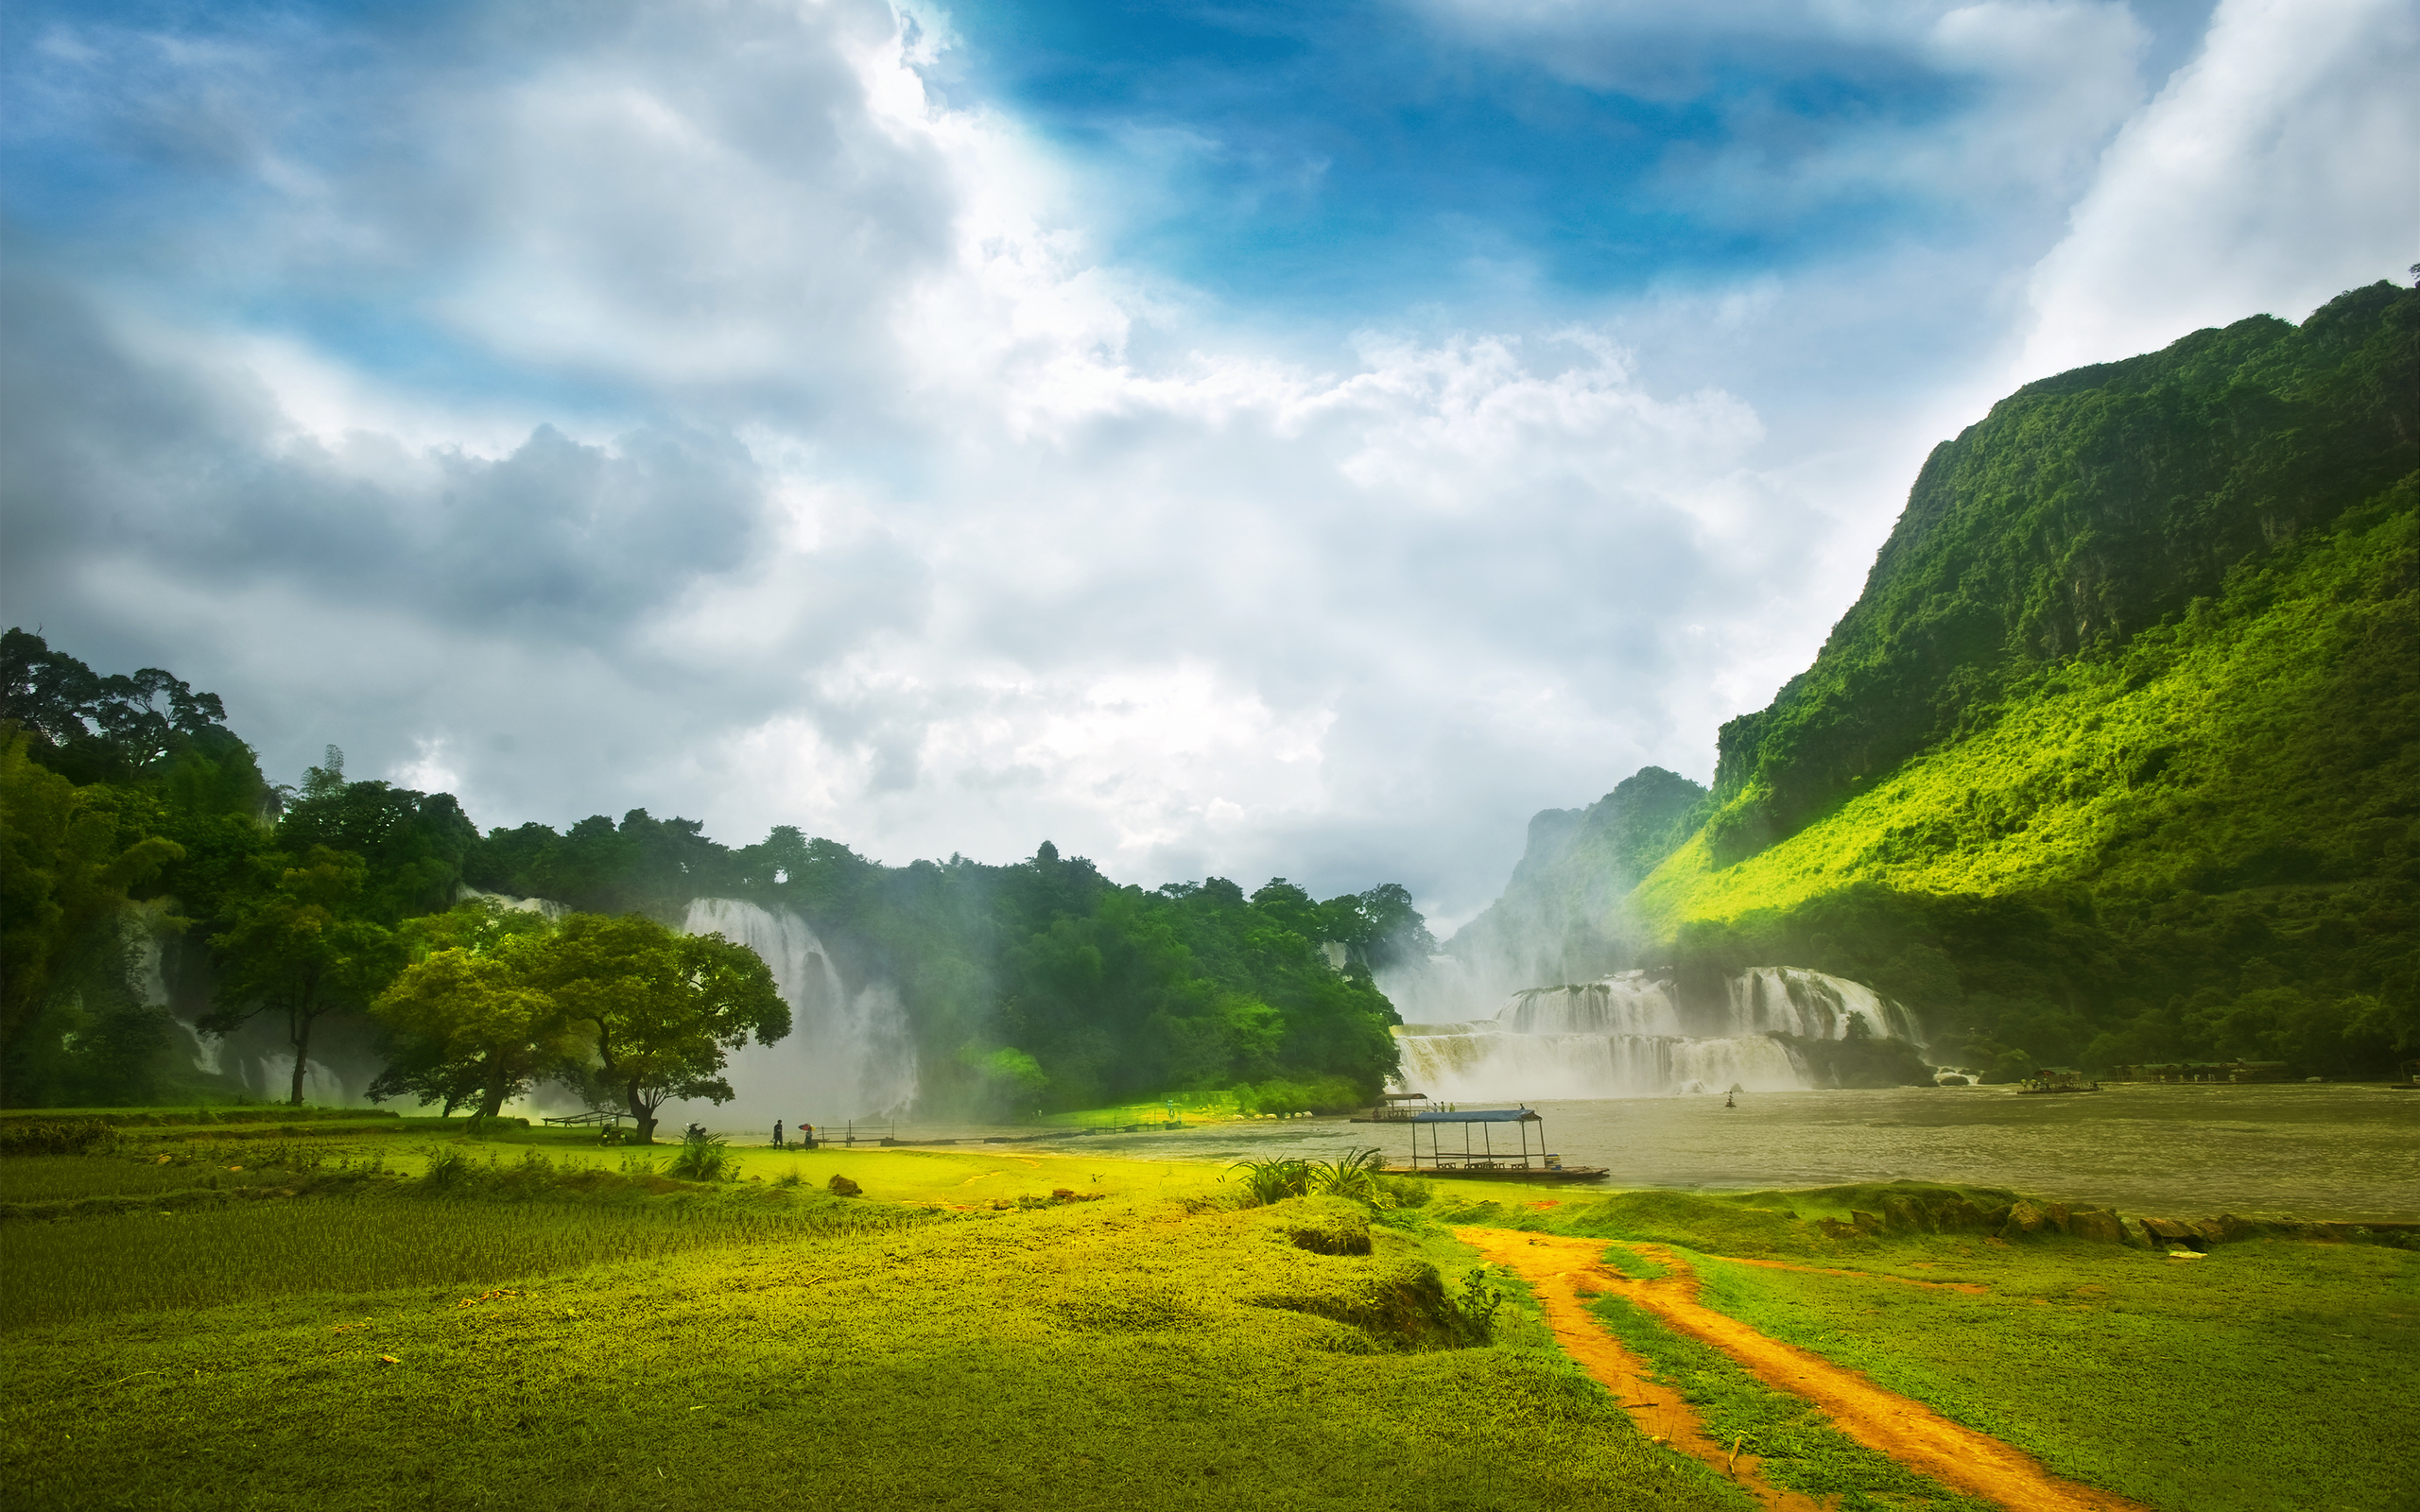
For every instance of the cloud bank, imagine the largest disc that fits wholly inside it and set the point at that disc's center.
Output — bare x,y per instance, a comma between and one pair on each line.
733,411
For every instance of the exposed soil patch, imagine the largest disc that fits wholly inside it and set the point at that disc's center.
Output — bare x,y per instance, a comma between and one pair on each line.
1556,1268
1884,1421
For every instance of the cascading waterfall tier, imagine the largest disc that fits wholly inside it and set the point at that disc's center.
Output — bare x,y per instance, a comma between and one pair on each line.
849,1054
1640,1034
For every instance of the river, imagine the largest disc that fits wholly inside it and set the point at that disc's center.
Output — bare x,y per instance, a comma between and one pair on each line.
2335,1152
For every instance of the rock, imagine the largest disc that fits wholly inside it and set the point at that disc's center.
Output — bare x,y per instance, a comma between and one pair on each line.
840,1186
2025,1217
2136,1236
2100,1225
2168,1231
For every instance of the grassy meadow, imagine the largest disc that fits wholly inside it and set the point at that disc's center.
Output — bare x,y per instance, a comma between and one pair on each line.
320,1315
537,1324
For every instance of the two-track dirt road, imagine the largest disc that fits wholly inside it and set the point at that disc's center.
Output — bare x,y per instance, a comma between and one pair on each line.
1908,1431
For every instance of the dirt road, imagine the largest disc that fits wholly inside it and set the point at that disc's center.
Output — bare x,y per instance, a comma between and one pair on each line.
1884,1421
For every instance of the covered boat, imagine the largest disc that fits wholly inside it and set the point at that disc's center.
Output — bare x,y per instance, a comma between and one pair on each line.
1478,1158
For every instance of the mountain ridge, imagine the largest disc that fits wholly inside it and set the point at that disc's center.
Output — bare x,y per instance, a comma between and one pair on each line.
2112,759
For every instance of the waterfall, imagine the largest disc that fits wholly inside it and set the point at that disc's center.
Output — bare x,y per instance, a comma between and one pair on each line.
849,1054
1636,1034
272,1078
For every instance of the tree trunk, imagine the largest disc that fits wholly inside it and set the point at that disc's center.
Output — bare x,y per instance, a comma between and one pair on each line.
645,1113
491,1100
301,1054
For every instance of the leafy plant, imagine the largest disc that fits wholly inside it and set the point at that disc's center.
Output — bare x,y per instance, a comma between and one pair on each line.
1275,1178
708,1158
1484,1291
1357,1175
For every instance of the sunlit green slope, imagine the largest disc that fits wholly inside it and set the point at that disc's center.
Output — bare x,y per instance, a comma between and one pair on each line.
2262,738
2114,758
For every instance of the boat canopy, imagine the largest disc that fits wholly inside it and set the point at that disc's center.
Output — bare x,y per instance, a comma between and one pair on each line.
1484,1115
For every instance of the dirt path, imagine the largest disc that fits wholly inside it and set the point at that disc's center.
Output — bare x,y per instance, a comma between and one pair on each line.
1554,1269
1884,1421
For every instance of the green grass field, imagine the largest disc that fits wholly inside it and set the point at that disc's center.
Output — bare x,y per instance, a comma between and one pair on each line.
415,1319
2266,1374
592,1338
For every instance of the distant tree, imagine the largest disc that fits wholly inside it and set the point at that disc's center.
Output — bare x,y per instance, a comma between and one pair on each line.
302,948
471,1023
659,1013
68,855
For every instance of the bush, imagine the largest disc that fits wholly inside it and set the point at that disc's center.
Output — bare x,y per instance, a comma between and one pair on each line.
69,1136
840,1186
1482,1294
706,1158
1274,1180
1319,1094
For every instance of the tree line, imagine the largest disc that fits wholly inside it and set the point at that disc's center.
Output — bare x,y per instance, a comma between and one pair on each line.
133,816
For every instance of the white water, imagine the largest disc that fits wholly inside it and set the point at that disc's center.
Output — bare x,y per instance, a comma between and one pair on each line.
849,1054
271,1079
1633,1034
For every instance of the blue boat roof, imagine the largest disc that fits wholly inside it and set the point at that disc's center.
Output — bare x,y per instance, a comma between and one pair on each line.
1484,1115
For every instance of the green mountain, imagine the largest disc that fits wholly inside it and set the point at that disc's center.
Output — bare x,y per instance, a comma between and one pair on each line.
2113,760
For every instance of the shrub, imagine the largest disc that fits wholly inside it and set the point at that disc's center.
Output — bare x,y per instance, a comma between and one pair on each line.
1482,1294
840,1186
704,1159
1355,1176
67,1136
1274,1180
446,1169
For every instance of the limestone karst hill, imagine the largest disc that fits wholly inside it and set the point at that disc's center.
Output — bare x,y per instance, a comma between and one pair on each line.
2113,760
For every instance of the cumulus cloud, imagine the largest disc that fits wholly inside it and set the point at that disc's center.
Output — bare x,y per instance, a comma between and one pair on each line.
2273,172
686,407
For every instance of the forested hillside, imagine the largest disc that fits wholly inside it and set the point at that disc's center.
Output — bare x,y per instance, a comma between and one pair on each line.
130,815
2113,759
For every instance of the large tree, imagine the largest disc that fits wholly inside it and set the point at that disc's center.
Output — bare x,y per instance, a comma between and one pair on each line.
470,1020
302,948
660,1012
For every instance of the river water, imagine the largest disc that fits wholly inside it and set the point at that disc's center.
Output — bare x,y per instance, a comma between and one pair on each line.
2325,1152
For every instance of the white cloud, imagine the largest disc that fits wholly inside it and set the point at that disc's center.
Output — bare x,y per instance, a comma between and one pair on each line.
2272,173
792,456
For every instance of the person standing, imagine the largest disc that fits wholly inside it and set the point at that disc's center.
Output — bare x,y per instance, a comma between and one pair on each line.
777,1133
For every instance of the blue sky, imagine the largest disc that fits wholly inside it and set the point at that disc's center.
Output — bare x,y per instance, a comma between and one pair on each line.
1242,438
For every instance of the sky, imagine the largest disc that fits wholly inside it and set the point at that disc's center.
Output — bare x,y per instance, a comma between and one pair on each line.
1223,440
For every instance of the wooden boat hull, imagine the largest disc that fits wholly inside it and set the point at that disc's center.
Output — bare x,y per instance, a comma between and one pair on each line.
1500,1173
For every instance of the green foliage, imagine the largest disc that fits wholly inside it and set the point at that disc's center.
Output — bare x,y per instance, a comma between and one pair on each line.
2083,509
707,1158
658,1013
1484,1293
71,1029
1275,1178
2161,805
412,844
472,1023
71,1136
1039,985
301,948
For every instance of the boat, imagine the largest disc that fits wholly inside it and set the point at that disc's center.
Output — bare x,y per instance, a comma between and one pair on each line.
1394,1107
1483,1162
